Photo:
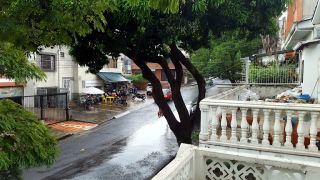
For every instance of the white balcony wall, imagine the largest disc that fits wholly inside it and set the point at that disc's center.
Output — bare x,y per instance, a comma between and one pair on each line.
308,8
260,126
311,75
194,162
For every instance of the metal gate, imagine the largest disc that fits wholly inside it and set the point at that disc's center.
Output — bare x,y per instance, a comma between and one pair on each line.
49,107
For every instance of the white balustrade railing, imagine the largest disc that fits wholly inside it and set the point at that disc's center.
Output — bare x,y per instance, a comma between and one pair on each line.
260,124
181,168
203,163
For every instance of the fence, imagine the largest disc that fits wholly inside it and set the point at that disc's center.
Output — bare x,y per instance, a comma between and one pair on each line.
271,72
49,107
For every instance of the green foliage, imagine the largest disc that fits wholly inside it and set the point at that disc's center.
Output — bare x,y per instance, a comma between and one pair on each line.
222,59
29,24
137,78
24,141
272,73
15,65
195,137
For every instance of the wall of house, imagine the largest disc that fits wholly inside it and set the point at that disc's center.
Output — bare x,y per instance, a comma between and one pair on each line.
87,80
158,74
311,57
308,8
294,14
114,65
65,68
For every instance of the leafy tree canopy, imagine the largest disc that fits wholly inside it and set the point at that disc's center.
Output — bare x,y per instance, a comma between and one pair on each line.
222,58
144,30
140,32
24,141
148,35
15,65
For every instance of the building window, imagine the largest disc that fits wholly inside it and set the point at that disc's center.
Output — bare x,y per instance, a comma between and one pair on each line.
47,62
112,63
66,83
61,54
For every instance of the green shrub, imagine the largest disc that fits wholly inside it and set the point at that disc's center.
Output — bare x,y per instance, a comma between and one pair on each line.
272,74
137,78
195,137
24,141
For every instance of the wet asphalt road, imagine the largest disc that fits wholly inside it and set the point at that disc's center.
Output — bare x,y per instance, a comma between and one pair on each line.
134,146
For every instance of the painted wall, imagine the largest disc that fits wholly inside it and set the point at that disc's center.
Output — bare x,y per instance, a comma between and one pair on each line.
85,79
294,14
158,73
308,8
66,68
311,58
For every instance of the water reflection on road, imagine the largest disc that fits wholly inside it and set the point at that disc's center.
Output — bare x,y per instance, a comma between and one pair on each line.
142,153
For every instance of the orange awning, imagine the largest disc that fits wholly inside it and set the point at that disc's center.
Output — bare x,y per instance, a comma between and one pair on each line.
7,83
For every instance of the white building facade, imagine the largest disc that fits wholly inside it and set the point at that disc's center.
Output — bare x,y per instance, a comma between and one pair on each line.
64,74
304,38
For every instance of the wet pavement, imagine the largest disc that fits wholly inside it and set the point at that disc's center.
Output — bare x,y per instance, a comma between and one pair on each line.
134,146
131,161
105,111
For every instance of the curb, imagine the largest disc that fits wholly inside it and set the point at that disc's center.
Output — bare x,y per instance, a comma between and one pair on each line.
64,136
129,111
121,114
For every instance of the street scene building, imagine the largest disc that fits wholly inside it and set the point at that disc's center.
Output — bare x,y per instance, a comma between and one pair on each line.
243,101
262,130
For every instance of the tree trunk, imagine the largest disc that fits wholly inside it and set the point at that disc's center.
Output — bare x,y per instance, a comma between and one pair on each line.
177,55
183,129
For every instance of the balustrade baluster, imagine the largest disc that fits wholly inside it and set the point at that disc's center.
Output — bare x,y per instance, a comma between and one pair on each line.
288,130
266,127
277,129
223,137
214,123
204,123
313,132
300,144
255,126
244,126
234,138
209,122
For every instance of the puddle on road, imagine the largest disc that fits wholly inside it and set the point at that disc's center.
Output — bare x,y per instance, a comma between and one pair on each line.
152,137
143,153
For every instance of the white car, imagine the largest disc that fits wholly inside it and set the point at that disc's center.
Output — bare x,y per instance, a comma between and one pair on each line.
149,89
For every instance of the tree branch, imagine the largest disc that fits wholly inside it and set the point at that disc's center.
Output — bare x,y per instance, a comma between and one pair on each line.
163,63
176,94
158,94
195,73
178,67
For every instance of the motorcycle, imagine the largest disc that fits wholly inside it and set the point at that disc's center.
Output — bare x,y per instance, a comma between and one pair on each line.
139,96
121,100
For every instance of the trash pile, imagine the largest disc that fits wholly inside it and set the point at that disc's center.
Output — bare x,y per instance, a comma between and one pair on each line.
293,96
248,95
289,96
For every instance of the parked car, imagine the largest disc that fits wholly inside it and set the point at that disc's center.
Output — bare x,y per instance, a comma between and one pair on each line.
149,89
167,94
221,82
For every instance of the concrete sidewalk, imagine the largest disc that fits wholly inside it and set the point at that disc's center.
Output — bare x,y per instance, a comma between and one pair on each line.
82,120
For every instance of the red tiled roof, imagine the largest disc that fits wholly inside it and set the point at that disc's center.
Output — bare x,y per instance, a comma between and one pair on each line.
153,66
6,82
